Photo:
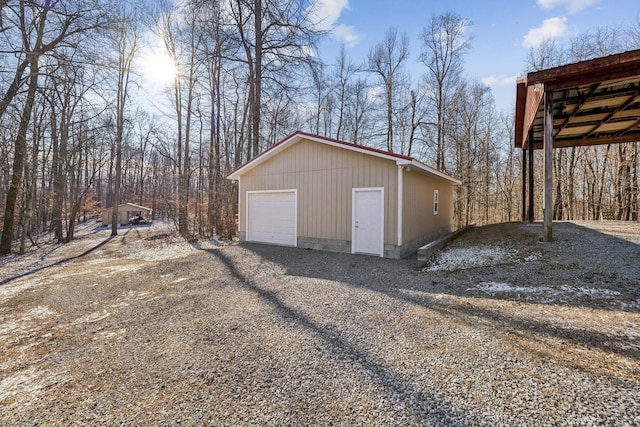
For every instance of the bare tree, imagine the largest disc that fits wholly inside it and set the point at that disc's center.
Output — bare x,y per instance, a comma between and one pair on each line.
42,30
125,39
60,99
321,95
344,72
602,41
215,49
507,173
548,54
3,4
359,109
473,135
28,208
445,40
634,34
275,35
386,60
183,39
418,117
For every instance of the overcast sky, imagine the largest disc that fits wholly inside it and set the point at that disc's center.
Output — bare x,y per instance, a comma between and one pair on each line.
502,31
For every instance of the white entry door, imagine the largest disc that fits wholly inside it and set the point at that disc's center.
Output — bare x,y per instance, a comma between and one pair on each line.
271,217
368,221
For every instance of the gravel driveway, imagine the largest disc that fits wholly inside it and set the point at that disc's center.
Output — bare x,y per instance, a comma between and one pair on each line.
147,330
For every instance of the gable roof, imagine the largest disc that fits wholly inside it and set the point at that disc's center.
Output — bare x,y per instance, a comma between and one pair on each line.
292,139
131,205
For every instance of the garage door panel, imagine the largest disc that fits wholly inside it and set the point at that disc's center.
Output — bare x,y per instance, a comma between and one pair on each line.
272,218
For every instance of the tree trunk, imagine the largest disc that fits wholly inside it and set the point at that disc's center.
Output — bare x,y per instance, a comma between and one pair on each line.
56,172
214,206
60,172
118,176
20,146
126,43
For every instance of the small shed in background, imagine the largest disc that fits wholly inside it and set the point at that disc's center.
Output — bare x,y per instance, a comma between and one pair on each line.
314,192
125,212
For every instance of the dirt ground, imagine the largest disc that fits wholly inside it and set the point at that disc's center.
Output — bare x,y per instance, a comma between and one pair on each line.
499,329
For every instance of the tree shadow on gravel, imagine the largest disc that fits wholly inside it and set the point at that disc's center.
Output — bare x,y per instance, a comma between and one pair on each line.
398,280
600,265
529,329
424,406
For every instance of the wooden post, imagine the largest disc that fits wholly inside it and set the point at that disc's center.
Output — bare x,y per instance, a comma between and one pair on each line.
524,185
531,216
548,167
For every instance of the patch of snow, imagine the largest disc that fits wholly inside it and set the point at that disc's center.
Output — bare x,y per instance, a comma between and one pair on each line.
37,313
495,287
110,335
630,305
17,271
120,304
40,312
174,248
633,332
471,257
98,261
532,257
595,292
9,291
8,327
64,274
92,317
564,290
114,269
25,381
139,295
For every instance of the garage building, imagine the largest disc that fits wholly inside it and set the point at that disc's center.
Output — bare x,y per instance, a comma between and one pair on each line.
315,192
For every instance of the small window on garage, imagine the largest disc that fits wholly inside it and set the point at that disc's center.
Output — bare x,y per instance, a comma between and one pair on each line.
435,202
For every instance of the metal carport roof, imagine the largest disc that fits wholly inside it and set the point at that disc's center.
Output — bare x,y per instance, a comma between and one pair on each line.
586,103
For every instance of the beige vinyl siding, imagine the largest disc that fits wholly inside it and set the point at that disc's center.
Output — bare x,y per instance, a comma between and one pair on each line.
324,177
418,219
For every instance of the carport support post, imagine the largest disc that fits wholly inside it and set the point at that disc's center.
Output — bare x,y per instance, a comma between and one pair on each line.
548,168
524,185
531,175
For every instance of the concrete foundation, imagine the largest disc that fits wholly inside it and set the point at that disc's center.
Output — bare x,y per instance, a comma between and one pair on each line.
324,244
344,246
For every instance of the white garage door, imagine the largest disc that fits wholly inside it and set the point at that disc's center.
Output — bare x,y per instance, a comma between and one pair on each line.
271,217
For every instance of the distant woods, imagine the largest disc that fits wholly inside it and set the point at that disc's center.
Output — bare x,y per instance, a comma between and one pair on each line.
79,132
